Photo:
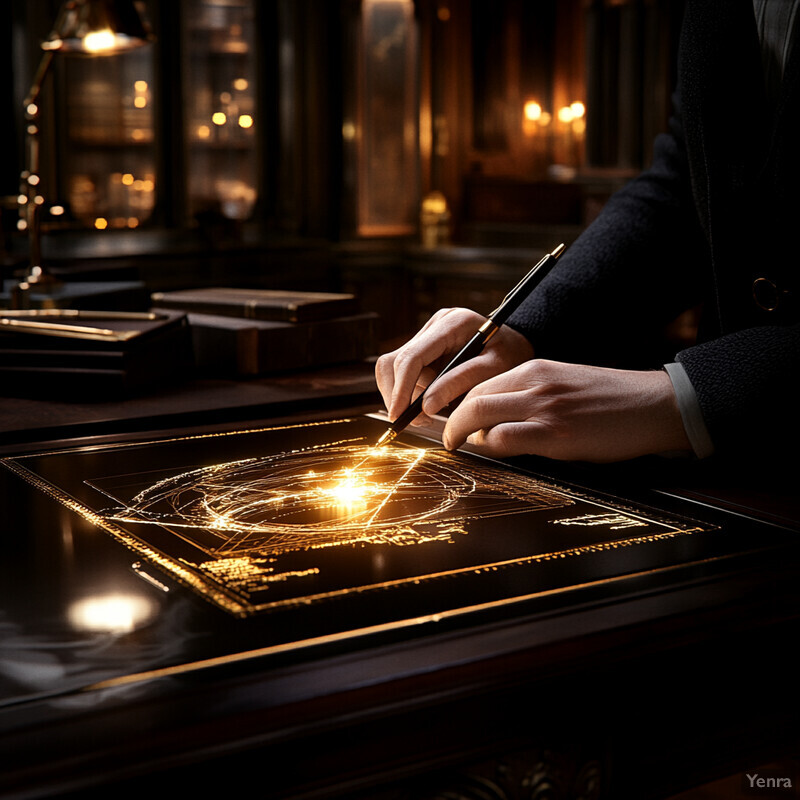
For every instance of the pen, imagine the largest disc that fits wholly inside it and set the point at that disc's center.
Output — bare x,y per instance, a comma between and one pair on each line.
71,313
69,331
474,346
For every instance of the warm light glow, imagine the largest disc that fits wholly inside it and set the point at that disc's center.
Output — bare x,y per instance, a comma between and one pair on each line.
57,211
140,88
237,198
240,84
219,118
348,131
349,491
133,222
203,131
99,41
101,223
434,203
565,114
578,109
116,613
532,111
127,179
245,121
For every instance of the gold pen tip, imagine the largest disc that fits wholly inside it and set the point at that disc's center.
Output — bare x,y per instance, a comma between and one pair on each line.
558,250
386,438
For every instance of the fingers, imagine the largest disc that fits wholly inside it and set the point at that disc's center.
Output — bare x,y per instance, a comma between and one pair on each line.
509,439
481,417
567,411
403,373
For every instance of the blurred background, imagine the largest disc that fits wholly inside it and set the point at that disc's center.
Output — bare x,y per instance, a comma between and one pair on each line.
415,152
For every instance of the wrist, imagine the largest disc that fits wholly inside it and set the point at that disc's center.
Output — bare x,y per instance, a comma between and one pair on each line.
669,429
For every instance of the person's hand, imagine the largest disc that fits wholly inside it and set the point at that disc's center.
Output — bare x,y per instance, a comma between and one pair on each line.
405,372
570,412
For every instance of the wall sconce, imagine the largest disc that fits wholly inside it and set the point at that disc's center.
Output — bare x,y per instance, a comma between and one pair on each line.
534,118
87,27
555,138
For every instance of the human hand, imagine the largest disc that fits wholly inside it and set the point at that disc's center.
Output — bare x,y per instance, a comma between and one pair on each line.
405,372
570,412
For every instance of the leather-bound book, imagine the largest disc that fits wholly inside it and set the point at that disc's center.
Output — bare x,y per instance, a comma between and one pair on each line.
263,304
41,357
226,346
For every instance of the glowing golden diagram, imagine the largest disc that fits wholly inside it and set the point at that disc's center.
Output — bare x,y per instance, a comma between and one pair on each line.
299,514
340,494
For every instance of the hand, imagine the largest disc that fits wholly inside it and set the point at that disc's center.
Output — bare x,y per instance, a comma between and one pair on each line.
405,372
569,411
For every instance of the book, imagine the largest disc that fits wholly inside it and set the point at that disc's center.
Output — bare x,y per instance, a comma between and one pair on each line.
240,347
150,352
262,304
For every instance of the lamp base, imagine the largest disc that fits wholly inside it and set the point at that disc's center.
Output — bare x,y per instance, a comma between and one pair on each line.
41,280
19,293
87,295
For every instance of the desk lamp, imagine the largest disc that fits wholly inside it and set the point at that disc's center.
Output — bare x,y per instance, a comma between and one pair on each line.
88,27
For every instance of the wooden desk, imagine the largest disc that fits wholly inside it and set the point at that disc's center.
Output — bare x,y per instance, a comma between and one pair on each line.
626,675
24,421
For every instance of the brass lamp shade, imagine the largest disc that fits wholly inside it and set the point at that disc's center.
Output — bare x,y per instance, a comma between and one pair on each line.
98,27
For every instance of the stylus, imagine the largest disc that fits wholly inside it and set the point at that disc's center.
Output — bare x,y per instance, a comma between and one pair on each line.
476,344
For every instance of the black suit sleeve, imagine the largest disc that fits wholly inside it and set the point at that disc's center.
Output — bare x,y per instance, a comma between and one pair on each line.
643,261
746,387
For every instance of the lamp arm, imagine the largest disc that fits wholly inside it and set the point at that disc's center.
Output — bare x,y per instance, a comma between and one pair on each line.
38,80
30,198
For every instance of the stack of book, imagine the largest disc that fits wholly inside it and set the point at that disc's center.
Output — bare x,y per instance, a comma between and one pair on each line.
63,354
250,332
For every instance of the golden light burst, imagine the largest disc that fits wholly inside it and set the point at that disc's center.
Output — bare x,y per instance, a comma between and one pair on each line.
319,497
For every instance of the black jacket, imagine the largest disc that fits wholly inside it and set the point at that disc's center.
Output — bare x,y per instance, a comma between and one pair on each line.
717,214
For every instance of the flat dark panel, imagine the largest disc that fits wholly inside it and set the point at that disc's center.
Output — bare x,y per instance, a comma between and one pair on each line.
301,514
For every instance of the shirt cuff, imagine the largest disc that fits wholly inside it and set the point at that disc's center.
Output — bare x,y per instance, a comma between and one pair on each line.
689,407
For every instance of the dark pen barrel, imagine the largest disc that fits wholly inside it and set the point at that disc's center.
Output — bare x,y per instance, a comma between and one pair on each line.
471,349
476,344
515,297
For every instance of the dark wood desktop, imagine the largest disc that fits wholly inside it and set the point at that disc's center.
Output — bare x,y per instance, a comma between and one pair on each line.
631,668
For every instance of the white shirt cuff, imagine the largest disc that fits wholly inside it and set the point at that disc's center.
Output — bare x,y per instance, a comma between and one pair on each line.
689,407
